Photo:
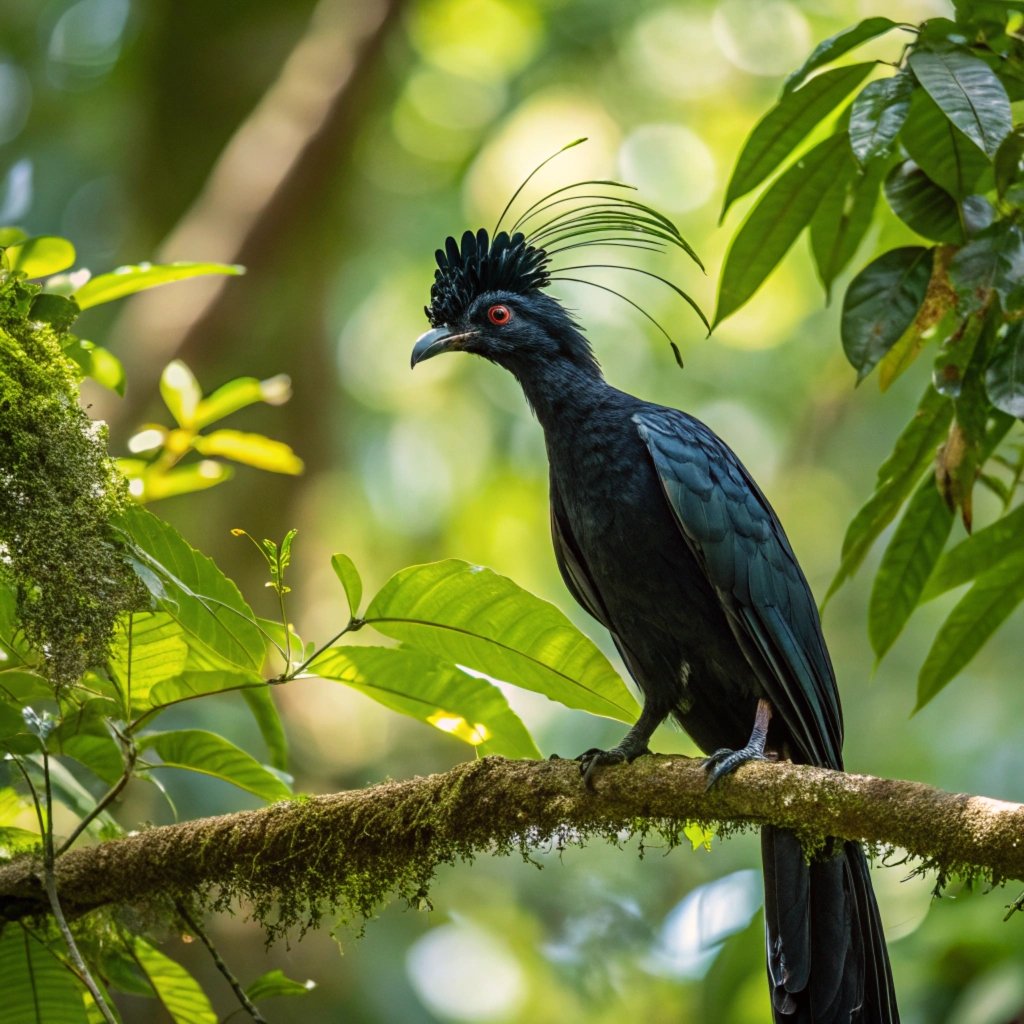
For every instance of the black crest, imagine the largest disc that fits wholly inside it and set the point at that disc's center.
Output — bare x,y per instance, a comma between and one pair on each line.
507,263
578,216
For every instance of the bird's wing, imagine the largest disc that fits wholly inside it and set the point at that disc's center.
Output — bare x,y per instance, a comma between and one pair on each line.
739,542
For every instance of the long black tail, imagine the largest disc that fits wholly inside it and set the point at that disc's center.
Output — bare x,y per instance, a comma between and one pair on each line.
827,961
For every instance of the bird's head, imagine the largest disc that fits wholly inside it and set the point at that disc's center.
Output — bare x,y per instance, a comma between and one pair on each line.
487,299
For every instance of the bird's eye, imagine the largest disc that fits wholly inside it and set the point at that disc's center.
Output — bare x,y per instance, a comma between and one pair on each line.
499,315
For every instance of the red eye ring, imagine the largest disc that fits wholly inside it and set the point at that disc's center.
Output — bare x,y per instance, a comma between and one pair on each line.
499,315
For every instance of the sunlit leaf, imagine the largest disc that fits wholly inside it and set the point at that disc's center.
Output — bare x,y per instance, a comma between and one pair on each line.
471,616
268,721
193,683
85,735
99,364
914,451
152,483
55,310
205,752
881,303
180,993
941,150
180,391
11,236
38,257
191,588
1004,375
788,123
37,987
149,647
277,983
835,46
434,691
700,837
239,393
772,226
346,571
921,205
131,279
906,565
968,92
877,115
981,611
251,449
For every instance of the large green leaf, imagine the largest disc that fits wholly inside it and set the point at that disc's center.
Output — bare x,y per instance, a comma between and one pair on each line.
41,256
192,684
913,452
434,691
200,751
268,721
787,124
906,565
131,279
149,647
993,261
180,993
941,150
472,616
968,92
921,205
981,611
188,585
37,988
835,46
84,734
976,554
843,218
877,115
1004,375
773,224
881,303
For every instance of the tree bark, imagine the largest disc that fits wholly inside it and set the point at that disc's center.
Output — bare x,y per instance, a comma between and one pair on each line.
354,850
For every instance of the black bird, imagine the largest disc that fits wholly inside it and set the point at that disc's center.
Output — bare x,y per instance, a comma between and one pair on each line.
663,536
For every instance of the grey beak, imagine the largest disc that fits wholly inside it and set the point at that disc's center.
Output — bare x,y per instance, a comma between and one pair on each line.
433,343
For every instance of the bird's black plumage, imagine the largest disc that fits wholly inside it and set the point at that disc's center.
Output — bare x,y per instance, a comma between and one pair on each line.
663,536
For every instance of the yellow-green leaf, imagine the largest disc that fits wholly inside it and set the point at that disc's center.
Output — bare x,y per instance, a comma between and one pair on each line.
346,571
180,993
38,257
137,278
250,449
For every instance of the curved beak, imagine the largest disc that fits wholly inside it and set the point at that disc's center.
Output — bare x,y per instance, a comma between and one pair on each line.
436,341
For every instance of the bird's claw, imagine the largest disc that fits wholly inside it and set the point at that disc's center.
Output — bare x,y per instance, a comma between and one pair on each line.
590,760
725,761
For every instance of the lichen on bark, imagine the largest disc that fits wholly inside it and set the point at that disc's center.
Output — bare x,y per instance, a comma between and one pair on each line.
58,491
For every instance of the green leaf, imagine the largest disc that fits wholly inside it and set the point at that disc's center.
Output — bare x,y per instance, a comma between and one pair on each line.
941,150
11,236
268,721
205,752
85,735
1009,161
881,303
276,983
239,393
37,987
180,391
968,92
913,452
921,205
131,279
976,554
251,449
980,612
877,115
152,483
835,46
843,218
773,224
1004,375
906,565
189,586
193,683
472,616
99,364
993,261
149,647
180,993
434,691
38,257
787,124
346,571
55,310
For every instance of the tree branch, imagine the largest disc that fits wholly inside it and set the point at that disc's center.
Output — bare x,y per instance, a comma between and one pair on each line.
354,850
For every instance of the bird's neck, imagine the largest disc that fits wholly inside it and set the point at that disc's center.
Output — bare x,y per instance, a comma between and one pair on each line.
562,392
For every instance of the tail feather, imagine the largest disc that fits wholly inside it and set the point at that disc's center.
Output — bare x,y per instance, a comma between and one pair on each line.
827,961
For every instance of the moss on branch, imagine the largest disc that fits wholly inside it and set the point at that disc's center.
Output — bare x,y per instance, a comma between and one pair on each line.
348,853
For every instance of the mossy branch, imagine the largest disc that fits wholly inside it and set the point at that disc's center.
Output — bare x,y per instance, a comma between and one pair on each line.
349,852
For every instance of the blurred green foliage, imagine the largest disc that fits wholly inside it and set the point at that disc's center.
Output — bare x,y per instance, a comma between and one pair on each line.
457,102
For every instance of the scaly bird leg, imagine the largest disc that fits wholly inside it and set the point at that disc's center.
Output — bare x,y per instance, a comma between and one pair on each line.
725,761
633,745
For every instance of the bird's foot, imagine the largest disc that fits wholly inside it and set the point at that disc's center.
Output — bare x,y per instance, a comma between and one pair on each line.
591,760
725,761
